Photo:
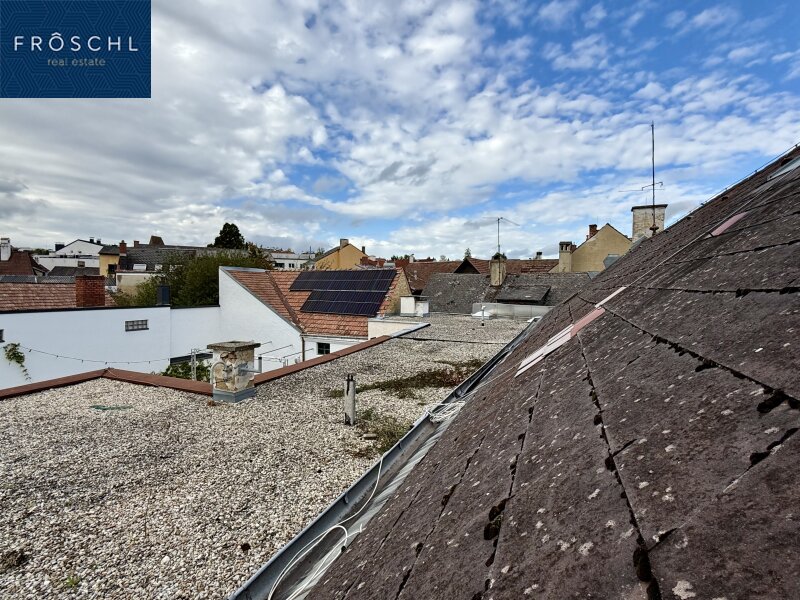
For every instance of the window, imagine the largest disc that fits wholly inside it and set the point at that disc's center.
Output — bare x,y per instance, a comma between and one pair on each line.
2,339
139,267
323,348
81,263
112,269
139,325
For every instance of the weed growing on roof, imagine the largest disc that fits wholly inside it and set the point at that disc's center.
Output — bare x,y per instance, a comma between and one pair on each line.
387,428
403,387
72,581
14,355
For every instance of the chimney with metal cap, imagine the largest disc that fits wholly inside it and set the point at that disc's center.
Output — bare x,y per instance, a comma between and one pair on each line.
5,249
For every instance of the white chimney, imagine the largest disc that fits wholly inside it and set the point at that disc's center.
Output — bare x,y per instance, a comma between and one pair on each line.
5,248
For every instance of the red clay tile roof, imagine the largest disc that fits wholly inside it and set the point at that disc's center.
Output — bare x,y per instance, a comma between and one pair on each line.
21,263
514,266
272,288
40,296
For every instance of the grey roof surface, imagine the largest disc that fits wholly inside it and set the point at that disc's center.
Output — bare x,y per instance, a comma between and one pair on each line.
457,292
36,279
72,271
530,288
652,455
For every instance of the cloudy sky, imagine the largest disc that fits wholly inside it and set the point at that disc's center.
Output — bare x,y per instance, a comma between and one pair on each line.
409,125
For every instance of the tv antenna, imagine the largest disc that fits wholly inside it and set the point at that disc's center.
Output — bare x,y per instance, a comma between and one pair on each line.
498,219
651,186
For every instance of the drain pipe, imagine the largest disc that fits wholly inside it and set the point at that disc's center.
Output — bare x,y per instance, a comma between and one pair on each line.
350,400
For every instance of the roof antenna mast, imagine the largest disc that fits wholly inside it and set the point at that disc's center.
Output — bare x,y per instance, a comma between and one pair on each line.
653,227
498,219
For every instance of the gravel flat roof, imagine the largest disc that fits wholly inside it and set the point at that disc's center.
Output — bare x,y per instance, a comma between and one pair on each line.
115,490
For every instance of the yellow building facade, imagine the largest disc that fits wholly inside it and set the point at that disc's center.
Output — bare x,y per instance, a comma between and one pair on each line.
345,256
590,254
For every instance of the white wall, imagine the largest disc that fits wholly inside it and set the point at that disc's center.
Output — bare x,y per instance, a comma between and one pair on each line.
244,317
89,334
48,262
336,343
194,328
379,327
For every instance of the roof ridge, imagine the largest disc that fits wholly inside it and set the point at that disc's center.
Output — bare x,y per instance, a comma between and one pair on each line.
292,314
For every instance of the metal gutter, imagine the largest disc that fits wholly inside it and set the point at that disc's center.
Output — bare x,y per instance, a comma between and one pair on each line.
261,584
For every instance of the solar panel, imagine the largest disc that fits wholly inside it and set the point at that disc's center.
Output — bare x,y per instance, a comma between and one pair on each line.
337,302
377,280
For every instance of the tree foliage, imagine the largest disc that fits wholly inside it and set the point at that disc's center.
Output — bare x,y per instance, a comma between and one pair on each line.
230,237
192,282
467,253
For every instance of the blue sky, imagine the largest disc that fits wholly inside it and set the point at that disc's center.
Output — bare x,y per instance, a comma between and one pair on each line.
409,126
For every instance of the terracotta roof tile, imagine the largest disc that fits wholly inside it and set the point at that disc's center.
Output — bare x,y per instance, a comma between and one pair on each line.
40,296
21,263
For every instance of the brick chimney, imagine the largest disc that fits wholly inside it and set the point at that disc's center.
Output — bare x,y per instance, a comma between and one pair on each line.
5,249
135,243
123,248
592,231
90,290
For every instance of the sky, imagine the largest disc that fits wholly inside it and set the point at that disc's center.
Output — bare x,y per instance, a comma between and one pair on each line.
409,126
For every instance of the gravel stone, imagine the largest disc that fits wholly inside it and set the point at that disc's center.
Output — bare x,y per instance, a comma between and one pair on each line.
163,496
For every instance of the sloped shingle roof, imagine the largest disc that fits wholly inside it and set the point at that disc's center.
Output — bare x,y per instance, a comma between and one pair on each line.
456,293
655,449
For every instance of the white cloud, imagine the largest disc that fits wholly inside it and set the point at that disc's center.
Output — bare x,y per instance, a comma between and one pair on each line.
300,129
587,53
675,18
594,16
715,16
557,12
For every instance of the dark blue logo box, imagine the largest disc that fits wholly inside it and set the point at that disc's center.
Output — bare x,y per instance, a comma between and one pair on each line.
75,48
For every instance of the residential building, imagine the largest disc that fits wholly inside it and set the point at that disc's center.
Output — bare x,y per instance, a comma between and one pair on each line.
468,293
17,262
313,313
589,256
79,253
343,256
514,266
288,260
140,262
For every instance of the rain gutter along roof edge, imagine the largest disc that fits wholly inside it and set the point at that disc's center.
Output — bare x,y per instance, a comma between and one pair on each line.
259,586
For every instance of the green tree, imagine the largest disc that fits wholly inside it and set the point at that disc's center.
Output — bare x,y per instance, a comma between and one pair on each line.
467,253
192,282
230,237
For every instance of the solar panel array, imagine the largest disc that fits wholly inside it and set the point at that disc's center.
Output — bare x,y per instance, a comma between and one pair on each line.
368,280
358,293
